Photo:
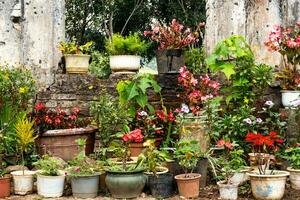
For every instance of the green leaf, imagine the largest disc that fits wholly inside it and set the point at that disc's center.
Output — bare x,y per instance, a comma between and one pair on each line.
144,85
142,100
228,99
150,108
228,70
132,91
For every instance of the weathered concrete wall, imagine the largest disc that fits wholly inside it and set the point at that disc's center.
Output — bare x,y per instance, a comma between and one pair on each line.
30,31
251,18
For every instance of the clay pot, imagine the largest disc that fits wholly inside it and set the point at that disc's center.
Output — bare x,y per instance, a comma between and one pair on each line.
61,143
169,60
136,149
77,64
5,187
188,184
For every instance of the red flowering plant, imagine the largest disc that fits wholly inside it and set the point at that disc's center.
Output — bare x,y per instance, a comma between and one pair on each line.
286,41
174,36
160,125
51,119
262,146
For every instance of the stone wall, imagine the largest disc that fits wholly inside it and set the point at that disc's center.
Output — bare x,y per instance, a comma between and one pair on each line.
251,18
30,32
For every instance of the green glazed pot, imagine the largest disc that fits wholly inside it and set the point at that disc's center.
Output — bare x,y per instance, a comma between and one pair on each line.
123,185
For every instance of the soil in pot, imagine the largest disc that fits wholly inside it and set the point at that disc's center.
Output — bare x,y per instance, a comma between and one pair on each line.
123,185
50,186
5,187
23,182
188,184
228,191
270,186
85,186
294,178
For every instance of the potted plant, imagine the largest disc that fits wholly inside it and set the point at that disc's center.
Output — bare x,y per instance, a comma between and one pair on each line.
125,53
23,180
125,181
230,164
159,181
265,183
84,178
76,58
172,39
50,180
188,153
4,181
292,155
286,40
59,129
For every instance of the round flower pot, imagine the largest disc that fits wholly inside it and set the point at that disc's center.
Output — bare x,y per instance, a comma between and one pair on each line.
123,185
23,182
61,143
228,191
288,97
136,149
188,185
125,64
294,178
269,186
169,60
5,186
50,186
241,176
161,185
85,186
77,63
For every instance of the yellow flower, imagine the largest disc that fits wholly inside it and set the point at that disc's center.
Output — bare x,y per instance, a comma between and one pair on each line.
22,90
90,87
246,100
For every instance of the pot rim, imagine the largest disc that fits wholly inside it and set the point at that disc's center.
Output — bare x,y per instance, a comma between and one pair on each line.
84,176
290,169
5,177
125,172
181,176
70,131
20,173
279,174
62,174
223,184
123,55
77,55
165,170
290,91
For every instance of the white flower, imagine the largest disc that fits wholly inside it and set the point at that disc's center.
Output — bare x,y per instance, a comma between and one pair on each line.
259,120
269,103
247,120
185,108
142,113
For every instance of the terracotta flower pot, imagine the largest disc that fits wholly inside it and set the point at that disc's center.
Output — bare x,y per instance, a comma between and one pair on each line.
188,185
169,60
136,149
5,187
61,143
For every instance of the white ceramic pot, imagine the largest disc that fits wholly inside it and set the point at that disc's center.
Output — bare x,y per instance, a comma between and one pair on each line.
228,191
77,64
288,97
50,186
268,187
125,64
294,178
23,183
241,176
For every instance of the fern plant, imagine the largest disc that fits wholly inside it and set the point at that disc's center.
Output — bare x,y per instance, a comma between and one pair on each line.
25,135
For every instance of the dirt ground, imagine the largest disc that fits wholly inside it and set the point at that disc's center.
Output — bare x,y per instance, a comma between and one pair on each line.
209,193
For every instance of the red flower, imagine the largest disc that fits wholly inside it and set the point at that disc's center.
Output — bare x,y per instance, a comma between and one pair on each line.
133,136
75,110
72,117
161,115
159,131
39,106
171,117
220,143
126,137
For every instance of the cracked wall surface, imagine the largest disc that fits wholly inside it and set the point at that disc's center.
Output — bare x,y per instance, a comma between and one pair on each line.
30,31
250,18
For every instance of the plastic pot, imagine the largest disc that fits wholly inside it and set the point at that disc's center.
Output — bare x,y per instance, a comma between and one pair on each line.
288,97
228,191
85,186
294,178
50,186
161,185
269,186
125,184
125,64
23,182
188,184
77,64
5,187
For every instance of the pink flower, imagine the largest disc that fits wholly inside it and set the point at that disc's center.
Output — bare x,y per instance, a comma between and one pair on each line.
72,117
156,29
39,106
75,110
194,81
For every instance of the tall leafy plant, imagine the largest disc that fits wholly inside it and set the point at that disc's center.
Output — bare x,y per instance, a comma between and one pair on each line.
133,93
